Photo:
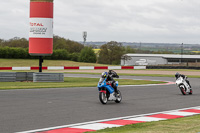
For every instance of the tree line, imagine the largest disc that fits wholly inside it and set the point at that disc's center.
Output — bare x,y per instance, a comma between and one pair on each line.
65,49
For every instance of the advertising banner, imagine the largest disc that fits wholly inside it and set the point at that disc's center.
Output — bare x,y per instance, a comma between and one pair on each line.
41,28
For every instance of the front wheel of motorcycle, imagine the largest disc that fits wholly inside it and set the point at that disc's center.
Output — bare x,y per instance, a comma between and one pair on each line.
182,88
118,97
103,98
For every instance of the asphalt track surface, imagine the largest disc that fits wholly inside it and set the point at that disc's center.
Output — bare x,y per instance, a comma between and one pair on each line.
29,109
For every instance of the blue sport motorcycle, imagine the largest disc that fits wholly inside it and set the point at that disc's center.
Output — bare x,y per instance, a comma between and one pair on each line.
107,93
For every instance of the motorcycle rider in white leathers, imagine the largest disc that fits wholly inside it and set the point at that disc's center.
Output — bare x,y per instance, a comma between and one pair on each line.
177,75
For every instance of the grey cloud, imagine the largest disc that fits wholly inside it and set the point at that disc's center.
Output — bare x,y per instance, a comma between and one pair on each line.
128,20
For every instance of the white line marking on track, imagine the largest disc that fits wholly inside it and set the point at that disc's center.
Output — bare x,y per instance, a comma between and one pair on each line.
181,113
147,119
97,126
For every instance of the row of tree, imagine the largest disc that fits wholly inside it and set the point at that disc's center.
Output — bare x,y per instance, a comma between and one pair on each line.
58,42
65,49
86,54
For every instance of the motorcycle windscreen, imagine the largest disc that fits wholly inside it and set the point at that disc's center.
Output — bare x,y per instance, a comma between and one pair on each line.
179,80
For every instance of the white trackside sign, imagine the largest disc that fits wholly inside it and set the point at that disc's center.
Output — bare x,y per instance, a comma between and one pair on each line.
41,28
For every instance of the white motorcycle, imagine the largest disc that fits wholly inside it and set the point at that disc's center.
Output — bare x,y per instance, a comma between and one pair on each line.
183,86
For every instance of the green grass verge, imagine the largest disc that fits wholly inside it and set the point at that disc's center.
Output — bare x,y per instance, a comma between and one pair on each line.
123,74
159,75
69,82
35,62
127,74
180,125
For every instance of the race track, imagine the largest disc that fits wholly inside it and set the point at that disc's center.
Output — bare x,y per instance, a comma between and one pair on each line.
22,110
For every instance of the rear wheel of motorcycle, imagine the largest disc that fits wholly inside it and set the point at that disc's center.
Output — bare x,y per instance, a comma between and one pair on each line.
190,92
182,89
103,98
118,98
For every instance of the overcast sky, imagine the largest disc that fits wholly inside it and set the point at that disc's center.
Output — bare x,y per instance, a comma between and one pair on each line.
159,21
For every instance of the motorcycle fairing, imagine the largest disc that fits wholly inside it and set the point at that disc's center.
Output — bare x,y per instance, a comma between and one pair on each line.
104,85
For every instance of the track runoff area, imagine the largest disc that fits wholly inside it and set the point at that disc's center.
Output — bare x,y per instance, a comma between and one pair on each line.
118,122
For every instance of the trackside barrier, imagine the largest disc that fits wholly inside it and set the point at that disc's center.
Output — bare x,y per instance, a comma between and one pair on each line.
48,77
127,67
172,67
55,68
5,68
71,67
74,67
31,76
7,76
16,76
21,76
86,68
101,67
114,67
20,68
37,68
139,67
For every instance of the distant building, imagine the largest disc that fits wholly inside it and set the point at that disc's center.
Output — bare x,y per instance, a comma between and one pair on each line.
157,59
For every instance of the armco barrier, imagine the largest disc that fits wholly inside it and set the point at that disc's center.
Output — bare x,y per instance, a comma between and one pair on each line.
21,76
172,67
16,76
31,76
7,76
48,77
73,67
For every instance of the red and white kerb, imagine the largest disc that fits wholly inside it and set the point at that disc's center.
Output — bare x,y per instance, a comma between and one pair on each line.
41,28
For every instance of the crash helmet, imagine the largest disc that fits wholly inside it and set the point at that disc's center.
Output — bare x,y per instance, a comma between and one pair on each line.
104,75
177,75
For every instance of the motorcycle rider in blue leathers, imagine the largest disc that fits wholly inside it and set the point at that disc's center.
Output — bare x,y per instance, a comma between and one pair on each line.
110,75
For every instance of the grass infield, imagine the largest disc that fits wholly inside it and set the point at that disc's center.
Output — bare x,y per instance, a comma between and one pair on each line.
70,82
179,125
122,74
35,62
126,74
